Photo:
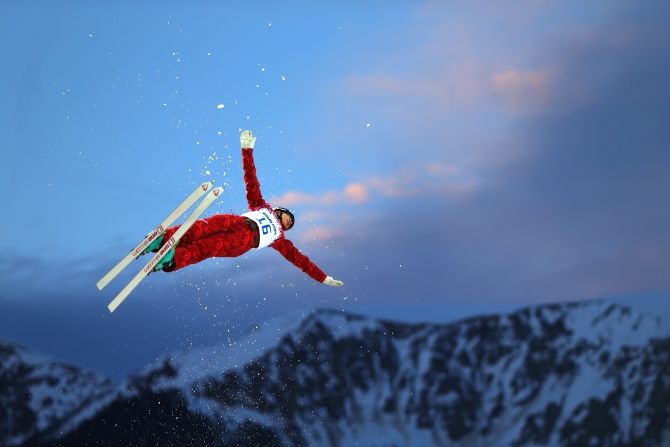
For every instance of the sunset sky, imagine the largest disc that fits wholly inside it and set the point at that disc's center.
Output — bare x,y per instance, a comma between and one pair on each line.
442,159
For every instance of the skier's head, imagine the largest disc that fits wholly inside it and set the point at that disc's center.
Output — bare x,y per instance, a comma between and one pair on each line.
286,217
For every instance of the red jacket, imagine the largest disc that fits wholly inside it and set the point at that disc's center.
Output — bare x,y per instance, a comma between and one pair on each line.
282,245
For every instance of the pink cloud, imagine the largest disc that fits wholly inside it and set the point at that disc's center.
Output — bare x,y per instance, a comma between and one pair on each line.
356,192
465,84
329,198
353,193
394,186
409,182
296,197
522,89
462,61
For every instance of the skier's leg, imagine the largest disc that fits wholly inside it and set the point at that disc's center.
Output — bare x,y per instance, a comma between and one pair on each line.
204,227
236,240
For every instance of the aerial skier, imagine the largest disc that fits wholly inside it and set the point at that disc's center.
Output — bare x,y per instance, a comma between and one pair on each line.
230,235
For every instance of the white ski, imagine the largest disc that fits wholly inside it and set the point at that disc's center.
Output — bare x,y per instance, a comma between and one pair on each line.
202,206
135,252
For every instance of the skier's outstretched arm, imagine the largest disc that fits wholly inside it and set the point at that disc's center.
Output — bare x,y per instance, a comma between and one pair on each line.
254,196
288,250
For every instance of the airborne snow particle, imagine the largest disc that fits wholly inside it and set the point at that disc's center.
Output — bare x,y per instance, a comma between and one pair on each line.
283,78
262,68
367,125
220,106
207,172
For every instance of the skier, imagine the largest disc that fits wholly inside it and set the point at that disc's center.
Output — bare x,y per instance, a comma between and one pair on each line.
230,235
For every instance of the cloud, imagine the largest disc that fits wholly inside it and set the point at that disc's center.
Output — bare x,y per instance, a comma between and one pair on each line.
456,87
456,61
466,85
463,84
298,197
523,89
291,198
433,178
356,192
574,204
403,184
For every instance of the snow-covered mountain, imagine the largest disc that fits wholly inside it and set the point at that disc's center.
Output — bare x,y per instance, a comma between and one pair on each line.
41,397
574,374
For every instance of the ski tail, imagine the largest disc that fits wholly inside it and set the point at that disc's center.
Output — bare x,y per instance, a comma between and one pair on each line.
169,244
153,234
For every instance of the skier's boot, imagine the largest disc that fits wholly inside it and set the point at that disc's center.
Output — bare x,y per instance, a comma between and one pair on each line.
155,245
167,264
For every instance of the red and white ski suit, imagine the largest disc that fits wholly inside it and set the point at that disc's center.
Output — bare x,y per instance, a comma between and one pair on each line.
229,235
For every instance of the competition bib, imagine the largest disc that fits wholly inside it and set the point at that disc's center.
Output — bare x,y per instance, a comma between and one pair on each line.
269,227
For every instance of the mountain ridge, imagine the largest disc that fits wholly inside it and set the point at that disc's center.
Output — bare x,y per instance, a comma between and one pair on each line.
558,374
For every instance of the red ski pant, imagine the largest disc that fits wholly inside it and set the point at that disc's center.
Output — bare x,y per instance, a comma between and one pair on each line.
220,235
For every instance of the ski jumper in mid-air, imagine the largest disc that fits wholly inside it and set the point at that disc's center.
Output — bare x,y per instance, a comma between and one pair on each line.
230,235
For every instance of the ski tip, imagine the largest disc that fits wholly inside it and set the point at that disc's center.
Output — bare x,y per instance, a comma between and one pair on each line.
100,285
111,308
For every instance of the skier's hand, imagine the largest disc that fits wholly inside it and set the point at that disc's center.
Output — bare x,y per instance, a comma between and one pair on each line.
247,139
330,281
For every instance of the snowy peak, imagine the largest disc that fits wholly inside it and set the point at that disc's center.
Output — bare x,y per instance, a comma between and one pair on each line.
538,375
564,374
184,368
39,395
598,318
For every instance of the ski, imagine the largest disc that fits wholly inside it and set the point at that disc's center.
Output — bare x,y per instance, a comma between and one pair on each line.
148,268
135,252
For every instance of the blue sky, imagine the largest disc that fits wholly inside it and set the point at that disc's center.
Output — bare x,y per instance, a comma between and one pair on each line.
442,160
